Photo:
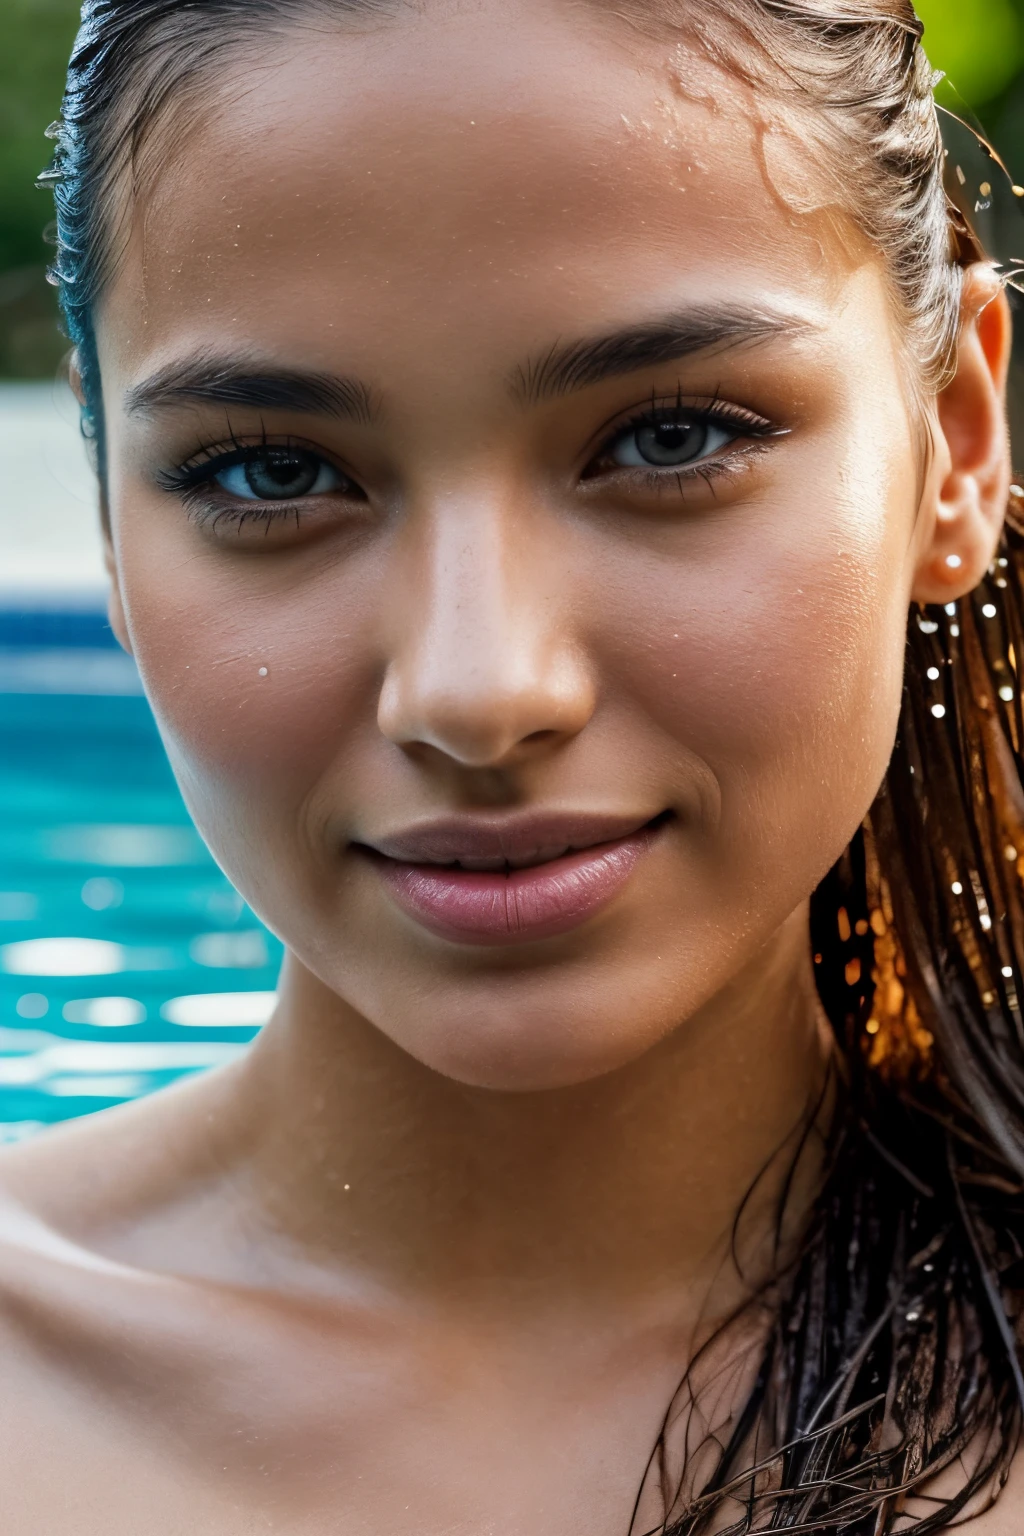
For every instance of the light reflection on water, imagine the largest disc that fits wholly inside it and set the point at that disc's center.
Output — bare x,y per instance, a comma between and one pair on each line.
126,959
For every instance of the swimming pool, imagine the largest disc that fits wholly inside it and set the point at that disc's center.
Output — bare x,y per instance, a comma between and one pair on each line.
126,958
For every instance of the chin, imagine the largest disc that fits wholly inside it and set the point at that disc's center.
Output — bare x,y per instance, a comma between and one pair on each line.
517,1050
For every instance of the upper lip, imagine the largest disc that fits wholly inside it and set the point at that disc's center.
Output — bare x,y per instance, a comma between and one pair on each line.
498,843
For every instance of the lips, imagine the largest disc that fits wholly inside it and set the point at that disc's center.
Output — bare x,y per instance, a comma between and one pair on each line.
491,882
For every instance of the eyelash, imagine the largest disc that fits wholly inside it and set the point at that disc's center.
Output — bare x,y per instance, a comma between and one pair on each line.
710,411
193,480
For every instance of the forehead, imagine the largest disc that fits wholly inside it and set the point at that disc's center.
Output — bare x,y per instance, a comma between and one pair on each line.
464,174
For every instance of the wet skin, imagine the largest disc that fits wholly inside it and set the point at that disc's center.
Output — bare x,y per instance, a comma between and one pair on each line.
434,1256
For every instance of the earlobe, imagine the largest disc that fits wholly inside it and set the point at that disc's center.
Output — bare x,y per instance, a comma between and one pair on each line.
970,483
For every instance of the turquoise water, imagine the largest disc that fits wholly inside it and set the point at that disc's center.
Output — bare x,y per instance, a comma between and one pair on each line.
126,958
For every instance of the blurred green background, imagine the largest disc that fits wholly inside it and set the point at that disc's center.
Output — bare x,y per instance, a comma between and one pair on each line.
978,43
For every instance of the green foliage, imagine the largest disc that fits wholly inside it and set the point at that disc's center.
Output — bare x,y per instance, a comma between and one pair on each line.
35,40
979,44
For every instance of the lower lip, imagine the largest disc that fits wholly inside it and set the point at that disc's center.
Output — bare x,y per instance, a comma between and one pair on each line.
473,907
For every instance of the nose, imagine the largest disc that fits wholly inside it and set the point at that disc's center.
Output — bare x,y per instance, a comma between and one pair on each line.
482,665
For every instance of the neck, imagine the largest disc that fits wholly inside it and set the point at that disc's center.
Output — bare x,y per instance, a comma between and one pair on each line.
363,1158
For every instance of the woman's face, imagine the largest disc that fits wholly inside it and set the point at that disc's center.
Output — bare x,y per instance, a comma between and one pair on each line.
499,466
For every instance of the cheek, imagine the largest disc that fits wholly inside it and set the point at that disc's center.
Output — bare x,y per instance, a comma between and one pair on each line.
258,686
782,672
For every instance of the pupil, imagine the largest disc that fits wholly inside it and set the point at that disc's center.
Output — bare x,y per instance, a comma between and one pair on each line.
671,442
277,475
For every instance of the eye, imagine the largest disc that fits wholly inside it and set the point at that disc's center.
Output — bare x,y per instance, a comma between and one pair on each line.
668,440
278,474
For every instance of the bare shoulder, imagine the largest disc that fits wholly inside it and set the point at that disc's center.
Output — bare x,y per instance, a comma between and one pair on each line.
1006,1517
1003,1518
123,1164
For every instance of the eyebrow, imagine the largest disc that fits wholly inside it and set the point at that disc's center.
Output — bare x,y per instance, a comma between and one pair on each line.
210,380
572,365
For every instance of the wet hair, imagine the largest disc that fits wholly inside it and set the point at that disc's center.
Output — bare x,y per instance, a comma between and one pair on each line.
892,1353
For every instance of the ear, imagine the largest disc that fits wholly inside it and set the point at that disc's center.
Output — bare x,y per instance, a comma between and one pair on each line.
965,503
75,376
115,606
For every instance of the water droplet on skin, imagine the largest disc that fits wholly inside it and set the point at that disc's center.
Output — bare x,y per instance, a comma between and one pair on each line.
263,671
954,562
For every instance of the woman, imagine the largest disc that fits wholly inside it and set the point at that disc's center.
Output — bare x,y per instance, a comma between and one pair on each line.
523,431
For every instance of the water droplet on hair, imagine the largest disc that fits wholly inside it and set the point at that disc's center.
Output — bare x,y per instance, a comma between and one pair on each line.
938,710
989,610
52,130
927,626
1006,694
934,674
957,888
1007,970
951,609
